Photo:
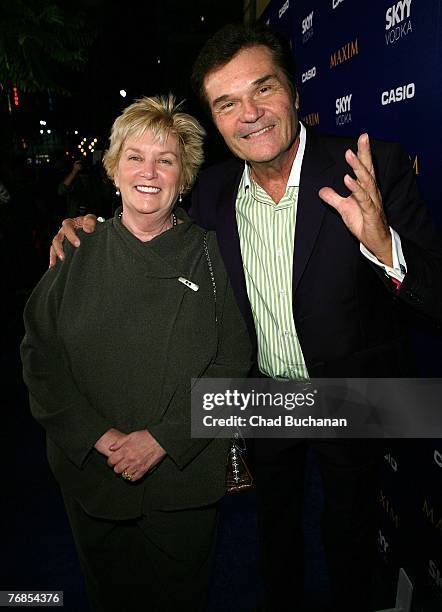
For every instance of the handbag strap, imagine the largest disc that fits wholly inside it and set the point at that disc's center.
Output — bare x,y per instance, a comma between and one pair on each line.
209,264
237,443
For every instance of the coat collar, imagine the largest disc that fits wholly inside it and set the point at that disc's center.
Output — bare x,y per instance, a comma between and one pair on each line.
163,256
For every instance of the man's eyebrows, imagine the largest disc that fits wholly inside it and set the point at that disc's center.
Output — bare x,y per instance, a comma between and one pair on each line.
257,82
264,79
220,99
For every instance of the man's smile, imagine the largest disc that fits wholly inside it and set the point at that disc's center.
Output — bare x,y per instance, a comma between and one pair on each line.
257,133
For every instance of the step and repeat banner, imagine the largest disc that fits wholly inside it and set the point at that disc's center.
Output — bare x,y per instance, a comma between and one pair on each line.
376,66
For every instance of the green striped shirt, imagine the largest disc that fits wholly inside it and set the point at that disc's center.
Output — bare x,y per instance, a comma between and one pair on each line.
266,233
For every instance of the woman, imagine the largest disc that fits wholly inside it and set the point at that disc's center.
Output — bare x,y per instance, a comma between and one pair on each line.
113,337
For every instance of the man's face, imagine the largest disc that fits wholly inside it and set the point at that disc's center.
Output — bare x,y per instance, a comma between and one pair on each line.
252,106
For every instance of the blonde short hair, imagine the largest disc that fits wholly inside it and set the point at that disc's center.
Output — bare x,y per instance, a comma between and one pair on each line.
160,115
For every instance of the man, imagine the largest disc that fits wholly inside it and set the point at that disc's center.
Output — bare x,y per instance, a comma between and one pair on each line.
321,279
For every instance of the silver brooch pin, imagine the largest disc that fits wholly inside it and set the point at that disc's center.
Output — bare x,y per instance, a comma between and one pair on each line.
188,283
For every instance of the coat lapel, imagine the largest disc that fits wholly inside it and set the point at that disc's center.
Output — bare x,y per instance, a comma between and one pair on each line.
229,245
316,172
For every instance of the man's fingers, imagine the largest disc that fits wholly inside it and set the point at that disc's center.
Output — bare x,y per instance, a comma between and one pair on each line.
68,231
364,153
364,178
57,244
359,193
361,171
89,223
330,196
52,257
346,207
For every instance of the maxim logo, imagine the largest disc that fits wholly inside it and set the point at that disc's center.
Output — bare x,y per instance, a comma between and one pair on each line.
336,3
283,8
311,119
401,93
389,510
309,74
343,109
344,53
437,454
397,21
307,27
392,461
434,572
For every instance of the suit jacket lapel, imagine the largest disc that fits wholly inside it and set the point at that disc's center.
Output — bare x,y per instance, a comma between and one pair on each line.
229,245
316,172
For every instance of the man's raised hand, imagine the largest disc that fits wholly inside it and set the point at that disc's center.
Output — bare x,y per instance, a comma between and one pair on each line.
362,211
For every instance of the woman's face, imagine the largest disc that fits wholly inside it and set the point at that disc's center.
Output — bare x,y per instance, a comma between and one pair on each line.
149,174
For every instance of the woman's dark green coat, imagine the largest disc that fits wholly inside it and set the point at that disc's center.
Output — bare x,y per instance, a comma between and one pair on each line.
113,339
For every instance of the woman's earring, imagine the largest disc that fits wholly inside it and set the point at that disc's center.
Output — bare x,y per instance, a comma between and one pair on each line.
180,198
117,192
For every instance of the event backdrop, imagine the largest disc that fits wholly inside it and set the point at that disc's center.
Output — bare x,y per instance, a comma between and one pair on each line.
376,66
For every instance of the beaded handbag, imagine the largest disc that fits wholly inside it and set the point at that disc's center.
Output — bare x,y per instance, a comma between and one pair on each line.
238,475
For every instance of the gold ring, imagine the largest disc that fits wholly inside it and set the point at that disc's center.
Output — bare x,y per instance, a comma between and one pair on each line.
126,475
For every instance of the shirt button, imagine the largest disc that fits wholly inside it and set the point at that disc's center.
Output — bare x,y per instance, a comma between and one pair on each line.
282,291
287,334
279,252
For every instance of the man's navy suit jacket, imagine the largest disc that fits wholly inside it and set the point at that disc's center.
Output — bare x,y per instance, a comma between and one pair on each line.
348,314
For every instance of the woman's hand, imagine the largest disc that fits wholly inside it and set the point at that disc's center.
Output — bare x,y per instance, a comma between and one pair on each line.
111,436
135,454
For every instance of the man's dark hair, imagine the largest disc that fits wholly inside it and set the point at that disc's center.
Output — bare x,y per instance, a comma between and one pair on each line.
231,39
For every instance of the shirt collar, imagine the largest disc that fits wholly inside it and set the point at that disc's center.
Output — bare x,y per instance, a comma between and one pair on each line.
295,172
